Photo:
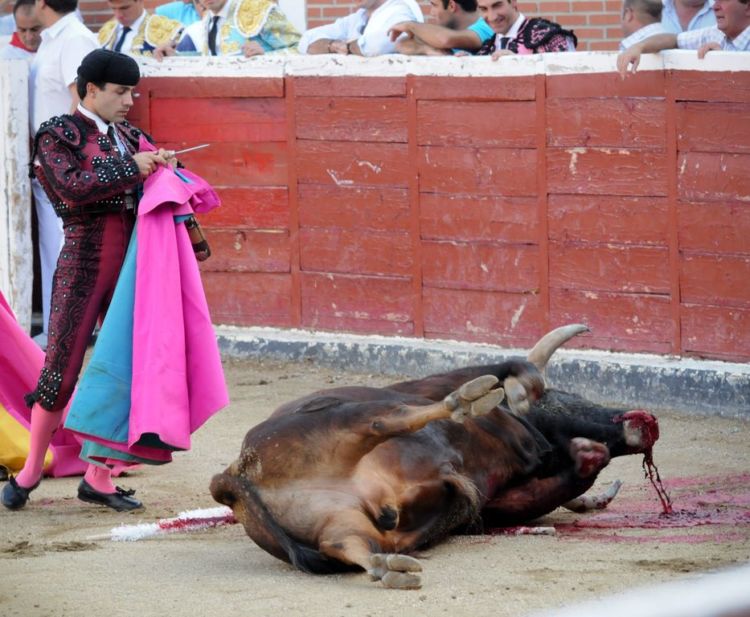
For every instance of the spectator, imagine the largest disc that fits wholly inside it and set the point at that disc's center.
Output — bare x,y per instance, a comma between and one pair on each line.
365,32
640,20
459,29
515,34
732,33
237,27
7,24
134,31
683,15
185,11
27,37
65,42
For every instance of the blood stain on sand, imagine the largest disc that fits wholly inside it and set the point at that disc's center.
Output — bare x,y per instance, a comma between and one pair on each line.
722,501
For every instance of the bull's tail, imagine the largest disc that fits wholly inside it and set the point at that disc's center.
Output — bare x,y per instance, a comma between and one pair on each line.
238,492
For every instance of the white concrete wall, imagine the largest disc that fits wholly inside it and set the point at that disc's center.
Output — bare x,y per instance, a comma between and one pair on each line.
16,255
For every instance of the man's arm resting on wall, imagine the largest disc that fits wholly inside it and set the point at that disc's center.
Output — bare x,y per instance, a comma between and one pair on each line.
653,44
438,36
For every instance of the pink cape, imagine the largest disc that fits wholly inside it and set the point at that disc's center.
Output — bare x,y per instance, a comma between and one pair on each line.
21,361
155,376
176,362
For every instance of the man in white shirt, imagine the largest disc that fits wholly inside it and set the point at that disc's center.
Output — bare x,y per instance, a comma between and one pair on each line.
732,33
27,36
364,32
640,20
65,42
683,15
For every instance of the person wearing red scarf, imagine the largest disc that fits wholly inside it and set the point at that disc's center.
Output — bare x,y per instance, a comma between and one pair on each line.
27,36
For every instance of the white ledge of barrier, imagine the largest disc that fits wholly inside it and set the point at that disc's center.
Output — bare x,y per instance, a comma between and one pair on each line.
396,65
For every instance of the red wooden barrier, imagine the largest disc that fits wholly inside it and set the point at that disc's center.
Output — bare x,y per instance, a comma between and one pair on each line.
476,208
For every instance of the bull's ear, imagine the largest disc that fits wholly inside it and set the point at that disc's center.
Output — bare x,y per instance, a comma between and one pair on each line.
548,344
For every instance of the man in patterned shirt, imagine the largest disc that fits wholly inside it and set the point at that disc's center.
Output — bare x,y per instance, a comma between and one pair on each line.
732,33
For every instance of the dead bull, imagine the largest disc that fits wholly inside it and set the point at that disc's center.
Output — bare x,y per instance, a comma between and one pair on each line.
356,477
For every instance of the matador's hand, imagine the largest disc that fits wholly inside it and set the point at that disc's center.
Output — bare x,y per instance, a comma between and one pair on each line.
148,162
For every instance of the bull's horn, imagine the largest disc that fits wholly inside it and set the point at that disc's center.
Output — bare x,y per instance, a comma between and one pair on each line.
548,344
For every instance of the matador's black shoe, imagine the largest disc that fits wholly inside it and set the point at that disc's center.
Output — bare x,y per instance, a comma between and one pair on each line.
14,496
121,500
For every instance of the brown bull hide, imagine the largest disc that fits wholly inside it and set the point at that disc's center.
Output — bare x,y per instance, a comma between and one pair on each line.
356,477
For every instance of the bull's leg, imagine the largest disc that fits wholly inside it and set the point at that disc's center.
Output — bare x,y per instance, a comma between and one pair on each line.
539,496
472,399
350,537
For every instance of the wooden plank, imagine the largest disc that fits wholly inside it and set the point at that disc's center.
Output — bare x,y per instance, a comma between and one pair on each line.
595,85
248,299
351,118
355,251
731,86
611,122
608,218
257,207
506,124
238,164
708,176
212,87
245,250
350,86
478,217
491,171
722,227
713,127
382,209
716,332
475,88
606,171
611,267
295,296
508,319
619,322
480,265
218,120
352,163
371,305
414,214
721,280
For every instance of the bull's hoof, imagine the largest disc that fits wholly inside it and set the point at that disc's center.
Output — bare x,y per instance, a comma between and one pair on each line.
474,398
395,571
590,457
516,396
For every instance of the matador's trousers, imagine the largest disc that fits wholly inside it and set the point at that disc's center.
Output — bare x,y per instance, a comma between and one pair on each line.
82,288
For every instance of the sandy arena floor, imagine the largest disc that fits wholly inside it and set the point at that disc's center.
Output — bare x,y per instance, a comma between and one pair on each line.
51,567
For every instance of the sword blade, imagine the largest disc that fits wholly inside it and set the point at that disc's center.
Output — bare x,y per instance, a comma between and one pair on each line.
176,152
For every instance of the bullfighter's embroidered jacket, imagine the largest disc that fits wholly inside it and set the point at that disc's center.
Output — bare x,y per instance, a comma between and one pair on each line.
154,30
248,20
535,36
81,169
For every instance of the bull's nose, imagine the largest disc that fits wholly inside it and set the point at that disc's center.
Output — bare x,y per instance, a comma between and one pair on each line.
641,428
